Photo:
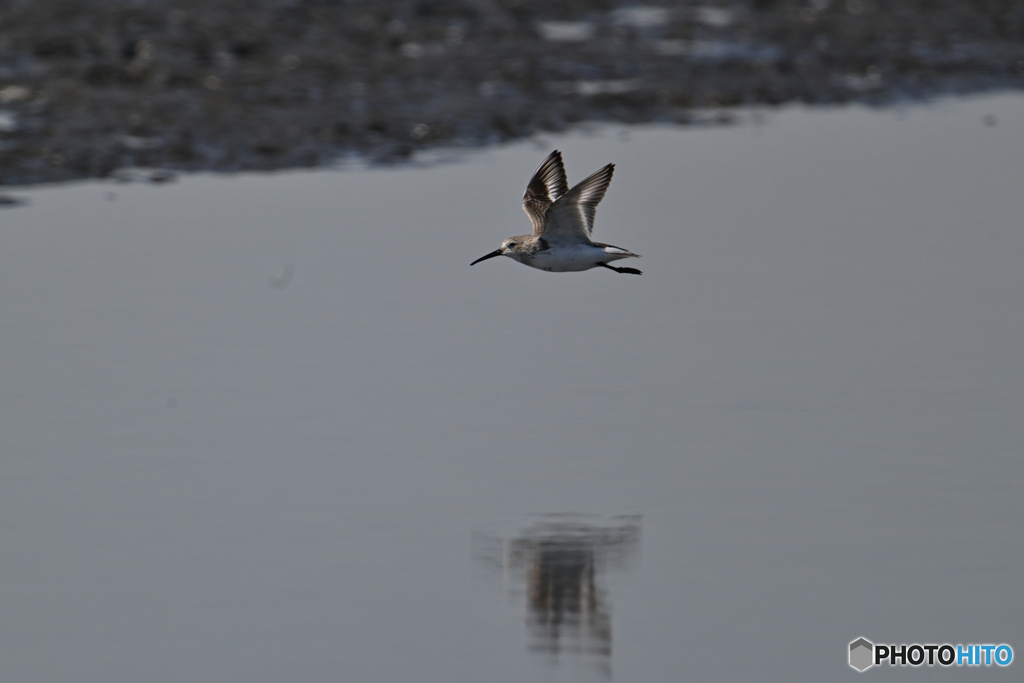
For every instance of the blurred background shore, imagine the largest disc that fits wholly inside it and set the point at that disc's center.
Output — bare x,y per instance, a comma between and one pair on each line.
89,89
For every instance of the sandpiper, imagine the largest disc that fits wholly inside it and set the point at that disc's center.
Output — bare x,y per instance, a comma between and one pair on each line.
562,222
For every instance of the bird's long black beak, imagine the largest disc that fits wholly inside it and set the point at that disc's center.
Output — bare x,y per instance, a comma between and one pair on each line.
496,252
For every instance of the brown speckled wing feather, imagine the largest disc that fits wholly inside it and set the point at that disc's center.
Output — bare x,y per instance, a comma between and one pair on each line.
546,186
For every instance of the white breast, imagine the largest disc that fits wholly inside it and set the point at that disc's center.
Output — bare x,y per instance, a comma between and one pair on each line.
567,258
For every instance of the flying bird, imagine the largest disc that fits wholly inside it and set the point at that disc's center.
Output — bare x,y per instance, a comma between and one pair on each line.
562,222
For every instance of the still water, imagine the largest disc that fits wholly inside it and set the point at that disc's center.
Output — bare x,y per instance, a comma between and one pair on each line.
274,427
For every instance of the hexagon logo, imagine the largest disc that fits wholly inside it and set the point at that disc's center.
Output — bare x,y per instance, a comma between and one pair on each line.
861,652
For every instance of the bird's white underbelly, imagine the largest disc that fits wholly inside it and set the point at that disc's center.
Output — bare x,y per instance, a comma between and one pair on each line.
575,257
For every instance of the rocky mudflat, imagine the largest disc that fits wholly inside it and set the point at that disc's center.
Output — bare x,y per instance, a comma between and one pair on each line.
89,89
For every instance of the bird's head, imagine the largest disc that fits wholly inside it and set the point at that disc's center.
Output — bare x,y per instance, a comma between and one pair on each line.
509,247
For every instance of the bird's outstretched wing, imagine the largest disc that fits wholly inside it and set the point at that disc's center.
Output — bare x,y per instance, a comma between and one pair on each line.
546,186
571,217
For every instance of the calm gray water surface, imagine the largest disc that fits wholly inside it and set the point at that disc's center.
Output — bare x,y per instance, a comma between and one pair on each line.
267,428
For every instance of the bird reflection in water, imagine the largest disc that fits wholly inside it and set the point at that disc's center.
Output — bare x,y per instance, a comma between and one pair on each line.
561,560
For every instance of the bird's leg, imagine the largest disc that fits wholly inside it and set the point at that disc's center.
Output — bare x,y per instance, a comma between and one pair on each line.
634,271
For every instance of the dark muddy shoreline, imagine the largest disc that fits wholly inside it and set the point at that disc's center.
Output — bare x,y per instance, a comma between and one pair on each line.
88,88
